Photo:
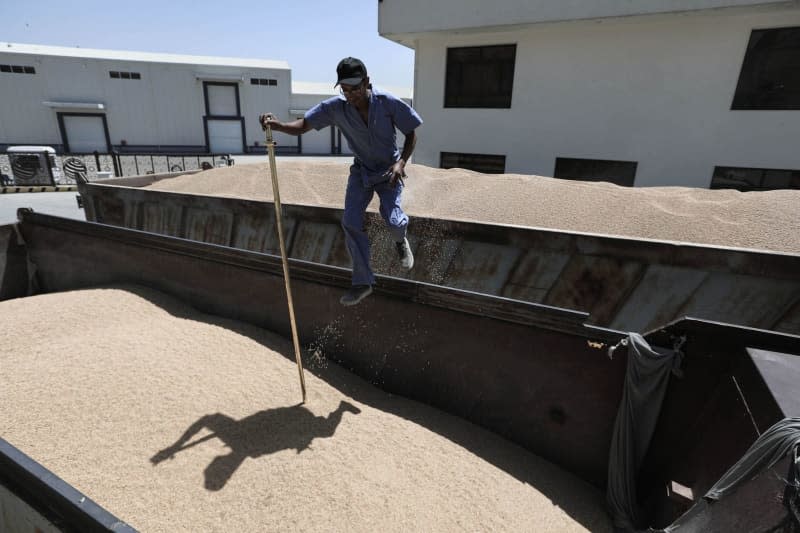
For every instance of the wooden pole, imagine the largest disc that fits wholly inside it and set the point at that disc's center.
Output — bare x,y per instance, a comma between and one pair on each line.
284,259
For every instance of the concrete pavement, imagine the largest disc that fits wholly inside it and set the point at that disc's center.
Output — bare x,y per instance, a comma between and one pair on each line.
62,204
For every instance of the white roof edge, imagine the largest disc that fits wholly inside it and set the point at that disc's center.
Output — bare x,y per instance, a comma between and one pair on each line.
151,57
30,148
75,105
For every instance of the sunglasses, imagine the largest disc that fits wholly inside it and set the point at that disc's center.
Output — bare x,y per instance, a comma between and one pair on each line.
344,90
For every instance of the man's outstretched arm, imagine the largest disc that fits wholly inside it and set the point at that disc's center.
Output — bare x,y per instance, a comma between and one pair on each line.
295,127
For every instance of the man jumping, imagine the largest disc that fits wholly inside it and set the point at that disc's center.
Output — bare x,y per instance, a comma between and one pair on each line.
367,117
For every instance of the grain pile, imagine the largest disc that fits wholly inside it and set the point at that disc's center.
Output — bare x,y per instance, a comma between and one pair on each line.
760,220
100,405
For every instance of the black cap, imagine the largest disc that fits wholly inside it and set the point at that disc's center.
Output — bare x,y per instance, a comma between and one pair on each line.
350,71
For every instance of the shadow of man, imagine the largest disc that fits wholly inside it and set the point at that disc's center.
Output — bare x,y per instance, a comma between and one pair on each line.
259,434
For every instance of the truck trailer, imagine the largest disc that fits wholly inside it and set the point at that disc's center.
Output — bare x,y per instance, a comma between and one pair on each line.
707,442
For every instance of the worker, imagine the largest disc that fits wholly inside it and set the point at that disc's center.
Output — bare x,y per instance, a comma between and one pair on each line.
367,117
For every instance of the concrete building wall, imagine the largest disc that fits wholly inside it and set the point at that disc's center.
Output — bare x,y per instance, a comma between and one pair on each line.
163,109
418,16
257,99
656,90
314,142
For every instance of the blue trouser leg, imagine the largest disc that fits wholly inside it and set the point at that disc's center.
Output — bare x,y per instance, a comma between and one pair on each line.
392,213
356,200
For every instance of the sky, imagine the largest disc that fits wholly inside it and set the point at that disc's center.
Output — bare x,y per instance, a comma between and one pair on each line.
311,35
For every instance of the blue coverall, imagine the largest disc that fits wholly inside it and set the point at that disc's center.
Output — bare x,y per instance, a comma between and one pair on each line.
375,147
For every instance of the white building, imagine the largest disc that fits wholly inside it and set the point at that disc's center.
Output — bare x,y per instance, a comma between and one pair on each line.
82,100
676,92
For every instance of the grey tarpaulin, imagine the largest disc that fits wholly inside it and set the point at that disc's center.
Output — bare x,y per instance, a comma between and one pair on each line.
646,380
773,445
768,449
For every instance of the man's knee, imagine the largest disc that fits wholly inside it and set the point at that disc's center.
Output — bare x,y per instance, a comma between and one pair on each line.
397,219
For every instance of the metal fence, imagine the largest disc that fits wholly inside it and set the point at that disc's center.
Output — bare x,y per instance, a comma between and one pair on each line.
28,169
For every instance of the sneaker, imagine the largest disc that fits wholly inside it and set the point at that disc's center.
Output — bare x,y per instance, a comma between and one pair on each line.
404,252
355,294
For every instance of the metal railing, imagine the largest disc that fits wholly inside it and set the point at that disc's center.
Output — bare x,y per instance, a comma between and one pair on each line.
62,169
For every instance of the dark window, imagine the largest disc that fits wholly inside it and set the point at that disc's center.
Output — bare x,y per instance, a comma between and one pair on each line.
263,81
480,76
488,164
770,75
754,179
125,75
619,172
17,69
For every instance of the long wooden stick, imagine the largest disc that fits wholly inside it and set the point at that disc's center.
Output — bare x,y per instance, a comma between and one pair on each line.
279,224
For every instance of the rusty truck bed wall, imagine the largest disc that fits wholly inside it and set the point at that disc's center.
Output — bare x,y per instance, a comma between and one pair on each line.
624,284
537,375
522,370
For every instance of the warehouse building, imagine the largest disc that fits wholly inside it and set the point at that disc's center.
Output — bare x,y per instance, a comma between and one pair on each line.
81,100
679,92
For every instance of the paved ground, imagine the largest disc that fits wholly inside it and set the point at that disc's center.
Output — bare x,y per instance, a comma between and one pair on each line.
64,204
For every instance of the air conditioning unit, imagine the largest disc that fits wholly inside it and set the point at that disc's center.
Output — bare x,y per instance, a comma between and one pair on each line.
33,165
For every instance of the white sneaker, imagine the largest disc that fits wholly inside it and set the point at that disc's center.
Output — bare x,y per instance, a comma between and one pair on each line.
404,252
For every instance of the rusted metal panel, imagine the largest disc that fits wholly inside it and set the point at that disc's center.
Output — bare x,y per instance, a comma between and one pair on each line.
208,226
626,283
535,274
255,232
738,299
482,267
339,256
658,297
111,210
314,241
790,321
13,265
160,218
597,283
